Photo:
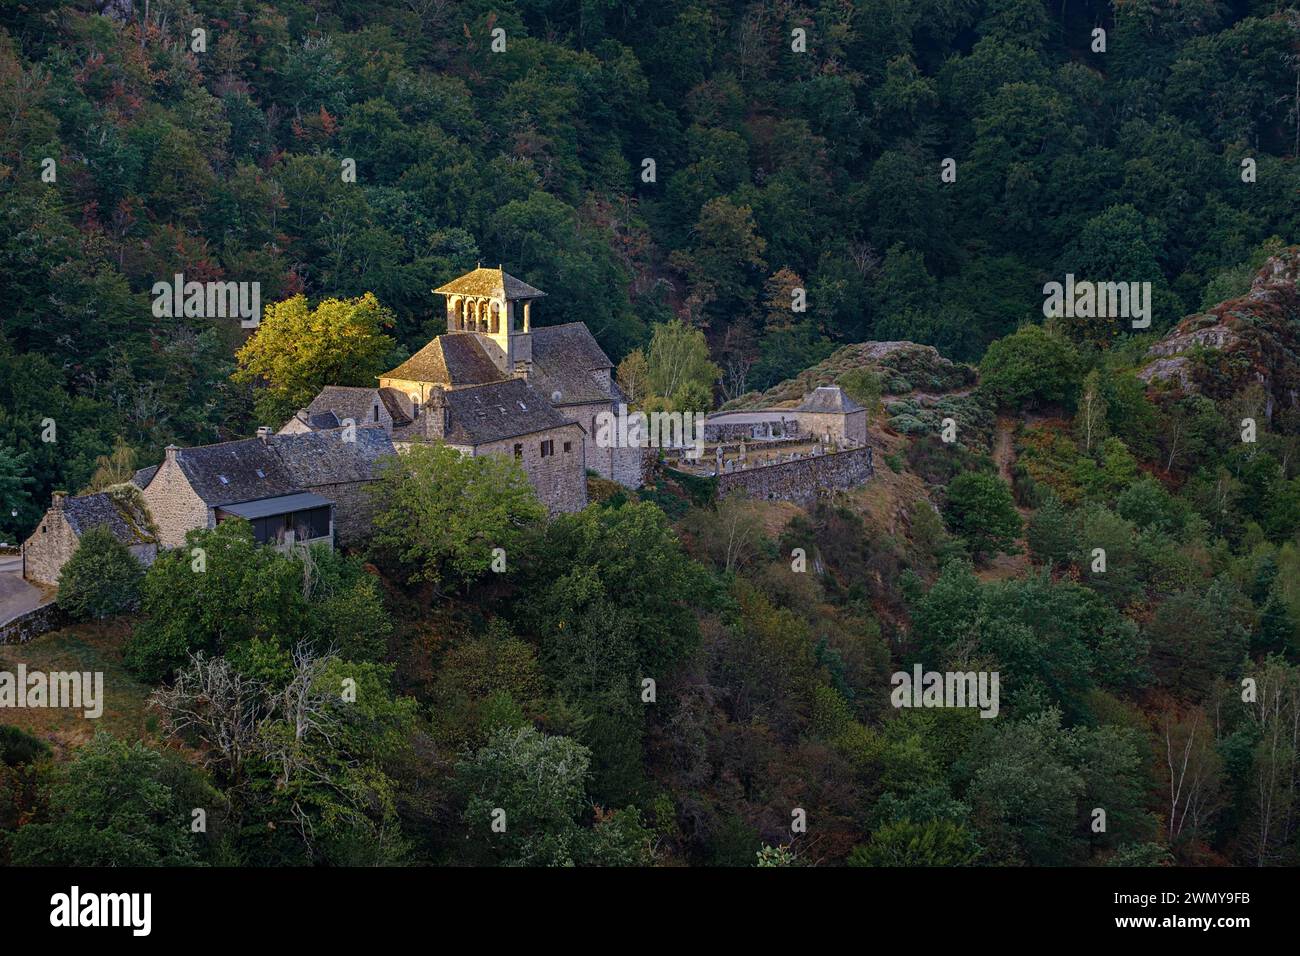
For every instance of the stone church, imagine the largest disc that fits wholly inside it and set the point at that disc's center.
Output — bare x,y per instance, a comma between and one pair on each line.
496,384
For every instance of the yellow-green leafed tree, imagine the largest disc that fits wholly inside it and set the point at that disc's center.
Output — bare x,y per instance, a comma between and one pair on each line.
297,350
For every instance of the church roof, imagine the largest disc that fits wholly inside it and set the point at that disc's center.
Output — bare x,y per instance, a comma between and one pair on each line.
828,399
489,413
454,359
564,360
496,283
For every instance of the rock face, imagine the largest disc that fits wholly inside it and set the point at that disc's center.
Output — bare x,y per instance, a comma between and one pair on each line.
1255,338
902,367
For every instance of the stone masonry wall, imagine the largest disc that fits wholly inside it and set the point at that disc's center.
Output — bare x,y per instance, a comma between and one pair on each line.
804,480
559,479
49,548
34,623
175,507
354,510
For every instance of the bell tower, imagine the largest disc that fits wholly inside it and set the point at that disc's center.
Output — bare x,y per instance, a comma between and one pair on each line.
497,308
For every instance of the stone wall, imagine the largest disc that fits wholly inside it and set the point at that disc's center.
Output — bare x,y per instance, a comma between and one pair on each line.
560,480
850,427
802,480
724,431
49,548
174,506
600,460
34,623
354,511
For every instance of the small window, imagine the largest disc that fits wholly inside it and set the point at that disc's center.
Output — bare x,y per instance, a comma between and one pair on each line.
519,451
548,448
568,447
376,413
44,529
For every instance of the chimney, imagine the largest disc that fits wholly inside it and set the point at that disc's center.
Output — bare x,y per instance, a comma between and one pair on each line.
437,416
171,451
58,499
264,432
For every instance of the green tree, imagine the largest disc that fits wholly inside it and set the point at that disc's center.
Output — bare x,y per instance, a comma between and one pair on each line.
1029,367
905,843
101,578
980,509
439,514
679,359
118,804
539,784
219,590
297,350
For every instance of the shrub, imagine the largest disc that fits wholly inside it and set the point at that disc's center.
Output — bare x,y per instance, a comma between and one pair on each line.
101,578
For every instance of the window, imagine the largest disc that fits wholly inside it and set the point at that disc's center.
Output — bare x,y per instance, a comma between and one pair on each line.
305,525
548,448
519,451
568,447
376,413
415,404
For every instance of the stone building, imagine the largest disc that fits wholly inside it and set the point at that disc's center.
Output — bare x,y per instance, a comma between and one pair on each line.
338,404
491,341
305,488
508,418
56,538
826,412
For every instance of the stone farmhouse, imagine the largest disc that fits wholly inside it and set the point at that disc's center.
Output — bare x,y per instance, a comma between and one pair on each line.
300,488
495,384
57,537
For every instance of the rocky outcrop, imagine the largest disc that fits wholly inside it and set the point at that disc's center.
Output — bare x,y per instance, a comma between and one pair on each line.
1255,338
902,367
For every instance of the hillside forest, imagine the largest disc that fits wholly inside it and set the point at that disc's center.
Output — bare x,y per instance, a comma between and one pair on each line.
741,201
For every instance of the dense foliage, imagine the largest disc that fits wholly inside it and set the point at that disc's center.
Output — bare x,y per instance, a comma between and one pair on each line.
661,677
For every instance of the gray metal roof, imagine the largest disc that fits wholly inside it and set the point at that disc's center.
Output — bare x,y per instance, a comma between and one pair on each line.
277,506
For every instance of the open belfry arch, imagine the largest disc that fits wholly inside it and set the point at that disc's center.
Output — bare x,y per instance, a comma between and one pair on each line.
494,304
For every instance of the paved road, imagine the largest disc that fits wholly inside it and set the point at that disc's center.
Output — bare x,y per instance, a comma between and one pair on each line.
16,595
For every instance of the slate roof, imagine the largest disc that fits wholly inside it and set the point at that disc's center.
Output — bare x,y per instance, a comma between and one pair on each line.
324,458
564,358
127,519
142,477
496,283
454,359
334,403
828,399
235,471
492,412
252,469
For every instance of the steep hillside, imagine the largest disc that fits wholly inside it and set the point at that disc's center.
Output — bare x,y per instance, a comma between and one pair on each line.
1254,338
